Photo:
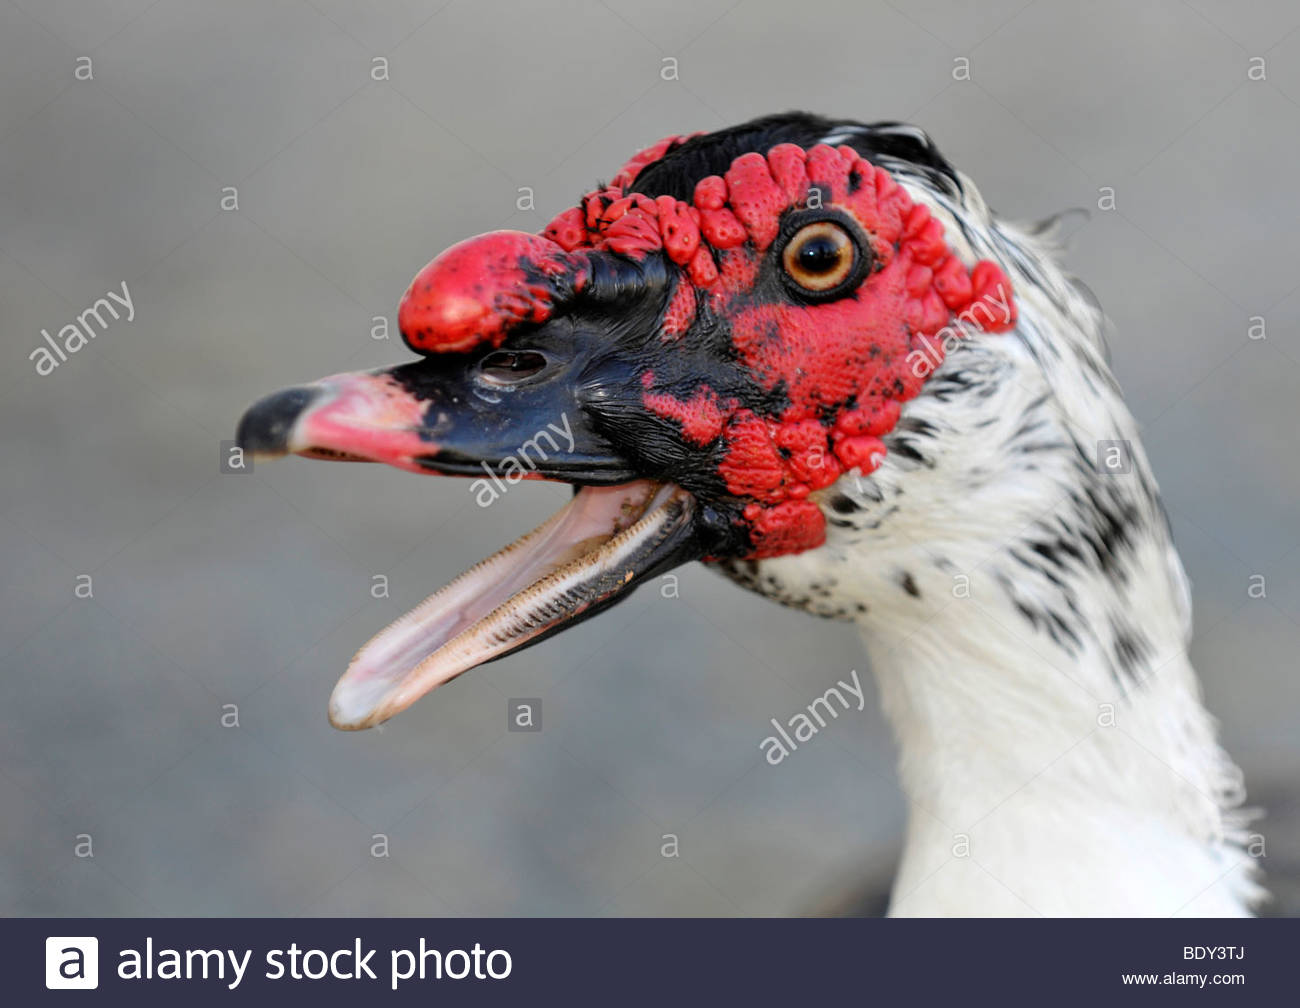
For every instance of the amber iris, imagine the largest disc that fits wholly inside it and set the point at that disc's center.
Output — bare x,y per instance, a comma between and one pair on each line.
819,257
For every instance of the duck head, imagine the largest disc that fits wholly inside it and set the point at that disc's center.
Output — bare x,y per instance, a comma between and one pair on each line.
704,349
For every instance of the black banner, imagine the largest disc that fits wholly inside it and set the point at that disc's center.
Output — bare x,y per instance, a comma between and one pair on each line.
646,962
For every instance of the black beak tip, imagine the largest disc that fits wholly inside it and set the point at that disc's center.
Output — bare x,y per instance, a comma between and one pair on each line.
265,427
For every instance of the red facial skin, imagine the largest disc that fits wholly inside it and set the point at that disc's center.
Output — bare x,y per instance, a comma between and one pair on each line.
845,366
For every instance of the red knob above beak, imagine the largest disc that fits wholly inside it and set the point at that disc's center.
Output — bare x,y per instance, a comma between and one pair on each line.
479,289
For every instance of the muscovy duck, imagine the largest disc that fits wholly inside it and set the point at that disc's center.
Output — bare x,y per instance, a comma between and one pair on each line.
804,351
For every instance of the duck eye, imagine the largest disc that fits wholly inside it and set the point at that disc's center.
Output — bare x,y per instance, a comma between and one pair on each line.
819,257
511,365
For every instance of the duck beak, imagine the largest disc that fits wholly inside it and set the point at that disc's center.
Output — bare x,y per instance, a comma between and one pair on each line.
616,531
461,411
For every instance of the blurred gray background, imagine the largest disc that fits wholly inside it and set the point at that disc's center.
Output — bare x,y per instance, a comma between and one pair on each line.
254,589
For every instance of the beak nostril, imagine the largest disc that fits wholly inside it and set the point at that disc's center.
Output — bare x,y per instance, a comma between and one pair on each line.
264,429
510,366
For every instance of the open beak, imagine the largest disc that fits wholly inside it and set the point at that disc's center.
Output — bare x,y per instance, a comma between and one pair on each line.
617,530
581,560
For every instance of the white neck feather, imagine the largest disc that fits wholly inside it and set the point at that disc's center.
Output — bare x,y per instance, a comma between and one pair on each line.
1039,785
1046,771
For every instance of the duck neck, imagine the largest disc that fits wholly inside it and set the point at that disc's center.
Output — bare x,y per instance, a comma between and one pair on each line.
1043,776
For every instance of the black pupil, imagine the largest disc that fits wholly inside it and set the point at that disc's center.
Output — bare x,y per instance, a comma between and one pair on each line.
513,363
819,254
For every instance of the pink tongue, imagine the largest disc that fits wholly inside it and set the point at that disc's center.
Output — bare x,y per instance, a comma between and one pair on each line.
402,663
